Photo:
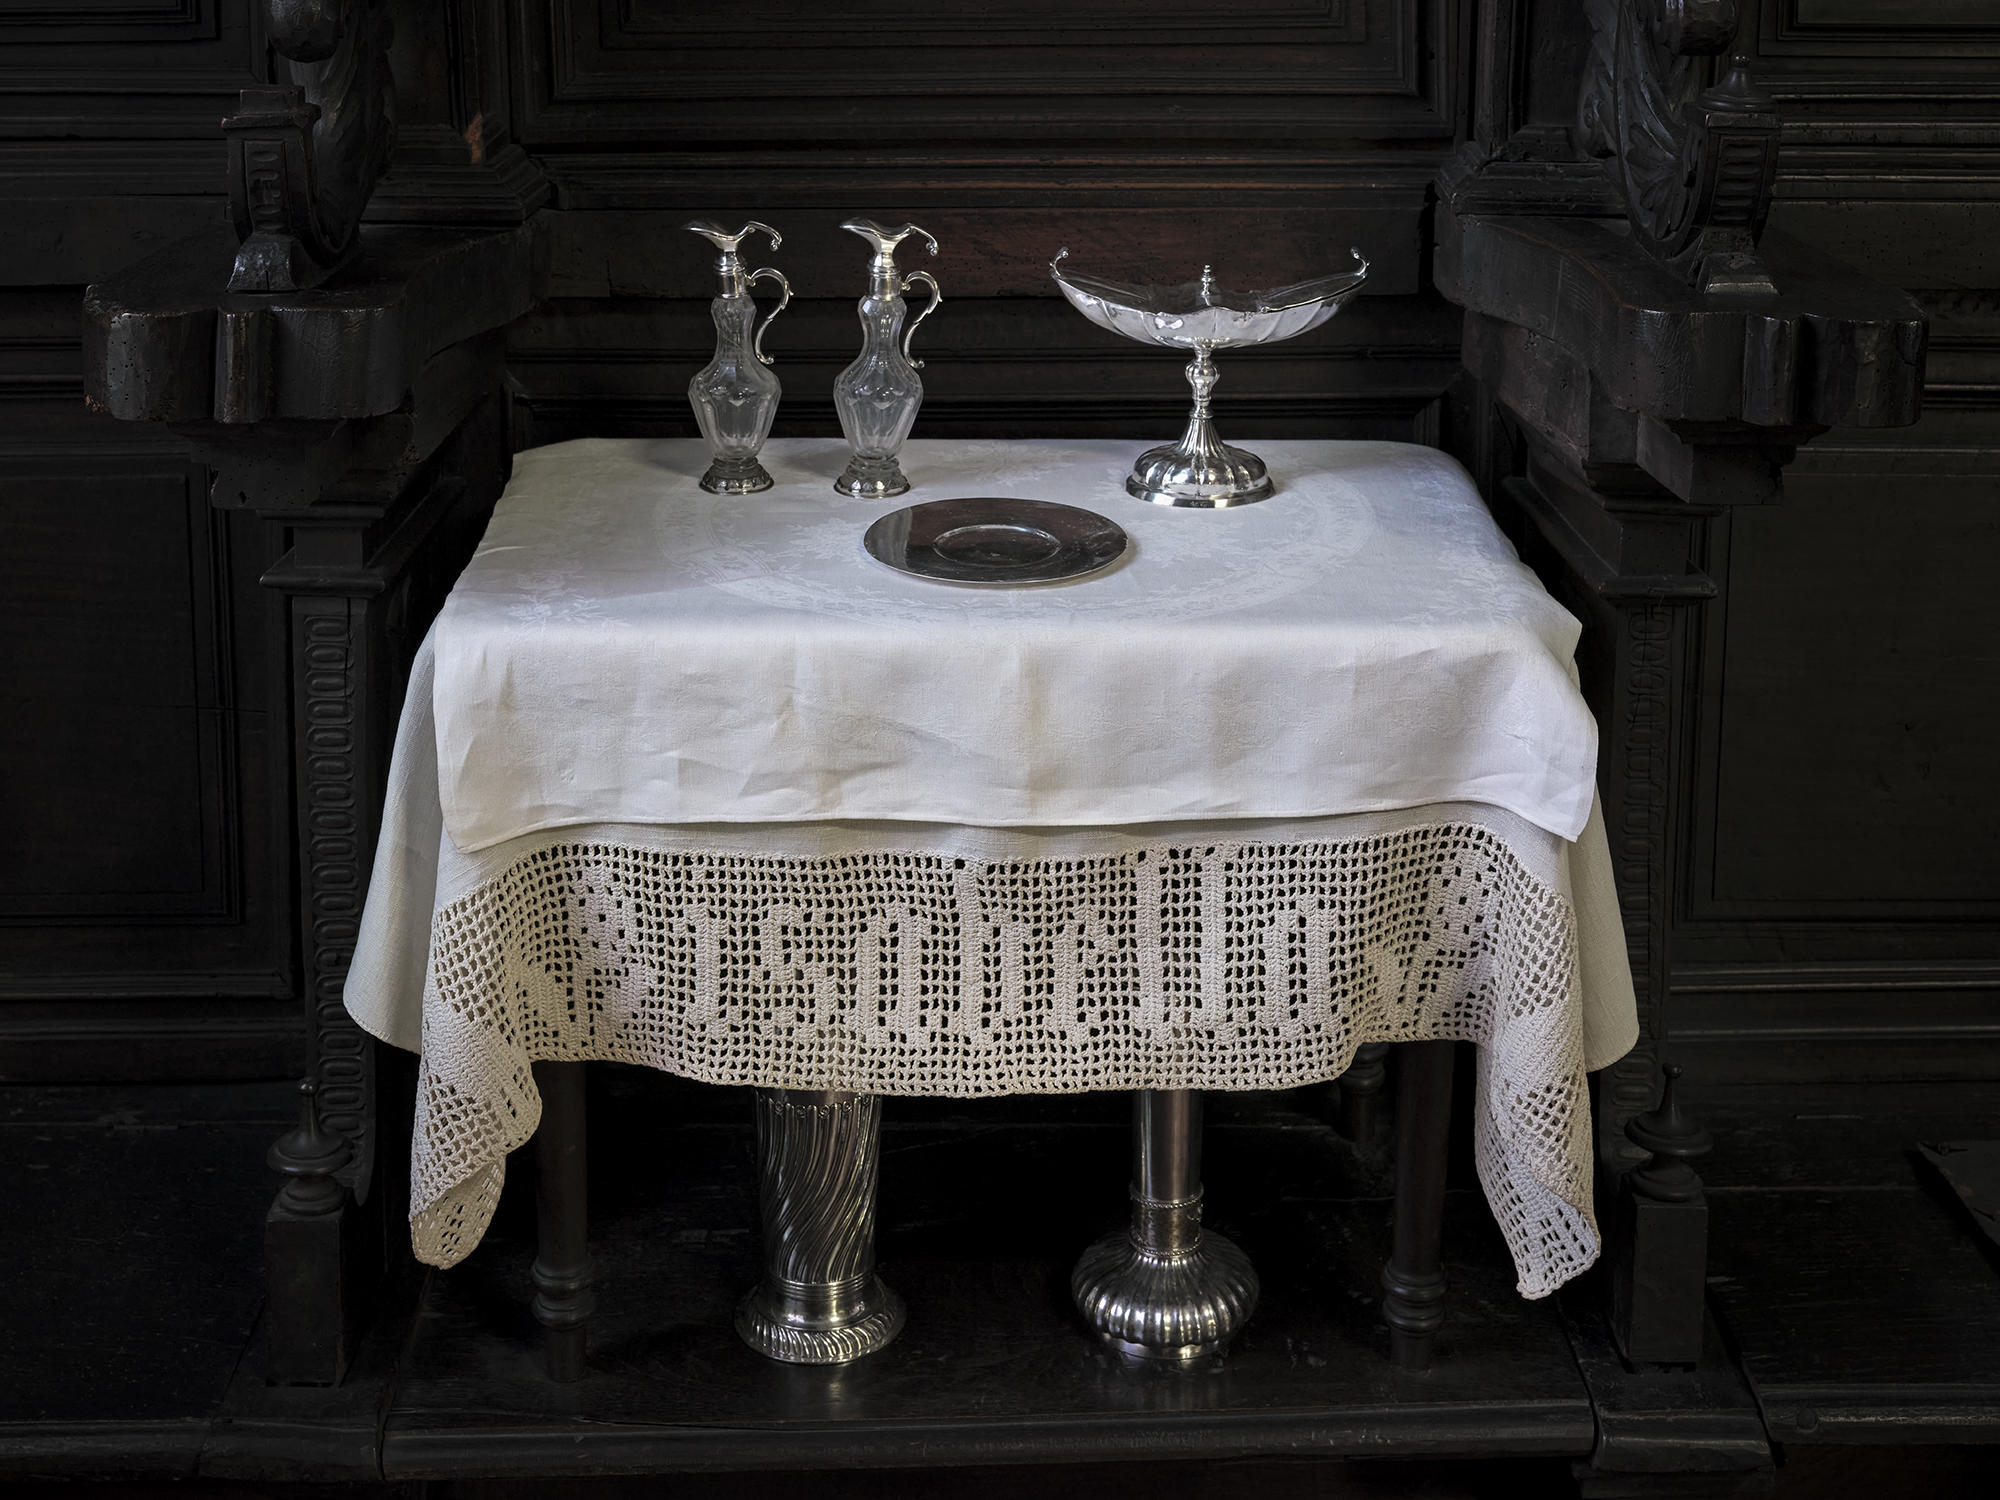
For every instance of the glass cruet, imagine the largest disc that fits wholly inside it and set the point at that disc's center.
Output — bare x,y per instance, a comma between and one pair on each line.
878,395
734,396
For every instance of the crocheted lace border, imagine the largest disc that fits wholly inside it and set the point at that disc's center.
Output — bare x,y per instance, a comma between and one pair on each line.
1205,965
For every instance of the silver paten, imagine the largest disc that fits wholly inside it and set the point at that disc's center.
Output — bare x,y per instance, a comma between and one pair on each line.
991,539
1202,470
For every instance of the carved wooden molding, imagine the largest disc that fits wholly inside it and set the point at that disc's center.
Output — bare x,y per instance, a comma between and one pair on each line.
304,156
1695,165
335,841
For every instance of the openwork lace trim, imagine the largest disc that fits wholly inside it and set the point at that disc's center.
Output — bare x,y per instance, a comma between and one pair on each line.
1219,966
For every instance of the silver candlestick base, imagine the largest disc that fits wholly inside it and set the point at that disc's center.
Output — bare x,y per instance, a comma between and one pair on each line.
820,1302
1164,1289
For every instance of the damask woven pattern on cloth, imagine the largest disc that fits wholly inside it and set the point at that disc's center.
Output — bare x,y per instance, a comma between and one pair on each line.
1175,965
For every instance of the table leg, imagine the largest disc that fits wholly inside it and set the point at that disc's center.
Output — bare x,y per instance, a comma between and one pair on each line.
1164,1289
820,1301
1414,1279
1361,1093
563,1272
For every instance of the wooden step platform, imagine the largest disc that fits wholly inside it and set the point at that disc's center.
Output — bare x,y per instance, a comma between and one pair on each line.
1859,1313
984,1206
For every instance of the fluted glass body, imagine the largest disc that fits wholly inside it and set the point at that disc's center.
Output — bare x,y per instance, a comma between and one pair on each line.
735,399
877,398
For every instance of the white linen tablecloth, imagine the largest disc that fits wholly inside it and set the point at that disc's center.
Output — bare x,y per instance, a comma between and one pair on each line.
625,648
940,956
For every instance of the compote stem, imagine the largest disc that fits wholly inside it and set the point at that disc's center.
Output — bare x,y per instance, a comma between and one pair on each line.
1201,469
1201,440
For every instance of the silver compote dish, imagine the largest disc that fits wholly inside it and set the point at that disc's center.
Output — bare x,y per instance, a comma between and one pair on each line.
1201,469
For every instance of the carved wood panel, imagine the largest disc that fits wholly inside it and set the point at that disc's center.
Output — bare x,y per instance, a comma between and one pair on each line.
1280,71
1841,902
1264,138
118,693
145,908
1902,24
1850,750
109,145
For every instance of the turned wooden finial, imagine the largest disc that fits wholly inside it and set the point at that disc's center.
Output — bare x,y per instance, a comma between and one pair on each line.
1674,1141
309,1155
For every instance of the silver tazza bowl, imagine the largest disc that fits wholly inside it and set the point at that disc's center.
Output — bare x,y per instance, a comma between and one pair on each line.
1201,469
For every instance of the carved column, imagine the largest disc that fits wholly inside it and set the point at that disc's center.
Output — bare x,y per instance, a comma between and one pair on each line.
338,795
373,553
1627,411
366,419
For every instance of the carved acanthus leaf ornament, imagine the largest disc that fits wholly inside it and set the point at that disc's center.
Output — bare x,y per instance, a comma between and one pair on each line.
1694,163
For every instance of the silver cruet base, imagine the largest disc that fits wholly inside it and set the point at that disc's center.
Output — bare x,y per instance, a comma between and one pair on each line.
872,479
732,474
1200,471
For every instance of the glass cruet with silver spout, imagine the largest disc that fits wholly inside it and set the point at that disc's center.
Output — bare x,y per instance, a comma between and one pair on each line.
878,395
734,396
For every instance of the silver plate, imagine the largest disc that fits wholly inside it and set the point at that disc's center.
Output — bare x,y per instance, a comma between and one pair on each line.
995,540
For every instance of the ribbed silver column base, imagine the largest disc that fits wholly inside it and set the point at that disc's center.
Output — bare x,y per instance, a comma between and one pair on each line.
1170,1305
820,1301
795,1324
1165,1289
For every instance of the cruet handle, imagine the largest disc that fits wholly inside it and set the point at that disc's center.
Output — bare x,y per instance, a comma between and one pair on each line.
929,307
784,298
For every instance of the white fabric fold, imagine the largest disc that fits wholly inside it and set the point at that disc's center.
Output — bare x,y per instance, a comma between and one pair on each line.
625,648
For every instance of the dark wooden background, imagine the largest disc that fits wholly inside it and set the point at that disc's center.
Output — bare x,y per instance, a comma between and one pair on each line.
1840,911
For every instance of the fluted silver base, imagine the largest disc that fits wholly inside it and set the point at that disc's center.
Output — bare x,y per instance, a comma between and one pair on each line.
809,1325
1173,1304
1215,478
1164,1289
820,1301
1200,471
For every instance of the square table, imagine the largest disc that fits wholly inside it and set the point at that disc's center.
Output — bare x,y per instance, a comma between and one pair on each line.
693,782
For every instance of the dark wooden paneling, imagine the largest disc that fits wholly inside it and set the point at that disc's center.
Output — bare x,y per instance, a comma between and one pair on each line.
1841,915
113,716
109,139
993,366
639,71
116,71
1149,140
1862,22
144,902
1854,750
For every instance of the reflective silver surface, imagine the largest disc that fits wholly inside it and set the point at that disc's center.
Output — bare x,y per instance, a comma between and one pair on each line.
1165,1288
992,539
733,395
877,396
1201,470
820,1301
